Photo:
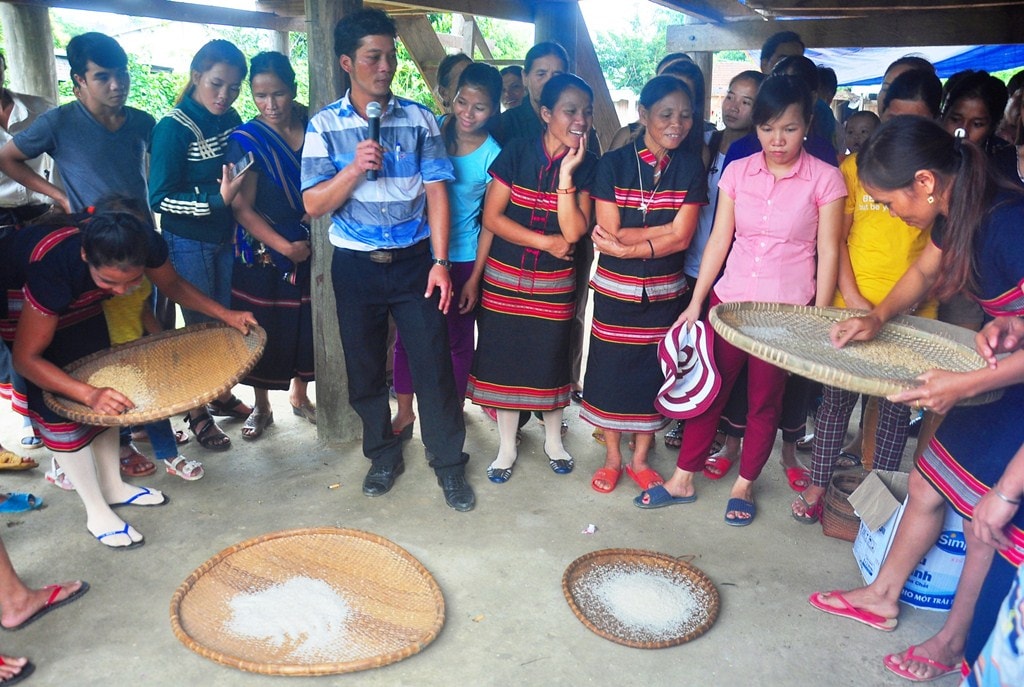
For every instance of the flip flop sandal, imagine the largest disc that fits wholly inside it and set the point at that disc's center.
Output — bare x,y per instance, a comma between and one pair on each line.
209,435
846,460
124,531
674,436
143,491
20,502
609,476
10,461
646,478
51,605
893,661
848,610
740,506
136,465
30,441
812,511
799,478
228,408
598,435
717,466
659,497
25,671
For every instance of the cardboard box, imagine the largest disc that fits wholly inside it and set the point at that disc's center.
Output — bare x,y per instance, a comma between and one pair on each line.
880,502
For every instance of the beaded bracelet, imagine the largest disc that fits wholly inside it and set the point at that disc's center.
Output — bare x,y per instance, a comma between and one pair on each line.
1007,499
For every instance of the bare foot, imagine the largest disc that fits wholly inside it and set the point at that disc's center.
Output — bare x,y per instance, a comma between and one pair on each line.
10,666
23,606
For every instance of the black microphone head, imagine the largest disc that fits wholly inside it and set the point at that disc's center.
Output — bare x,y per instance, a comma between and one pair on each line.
373,110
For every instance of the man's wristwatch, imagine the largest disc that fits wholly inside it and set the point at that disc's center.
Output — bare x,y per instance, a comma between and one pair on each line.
447,264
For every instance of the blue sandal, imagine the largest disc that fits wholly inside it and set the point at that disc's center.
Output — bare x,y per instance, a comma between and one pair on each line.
124,531
20,502
659,497
143,491
740,506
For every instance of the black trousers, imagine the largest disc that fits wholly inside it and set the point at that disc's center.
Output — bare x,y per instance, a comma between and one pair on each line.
366,293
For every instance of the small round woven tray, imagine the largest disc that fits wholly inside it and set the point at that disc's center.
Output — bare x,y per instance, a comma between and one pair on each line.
642,599
309,602
164,374
795,338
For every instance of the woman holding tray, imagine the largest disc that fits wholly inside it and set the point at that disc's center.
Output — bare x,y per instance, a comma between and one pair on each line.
62,273
272,274
647,198
926,176
778,222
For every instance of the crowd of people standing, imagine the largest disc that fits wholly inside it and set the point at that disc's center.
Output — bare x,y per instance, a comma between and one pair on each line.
473,233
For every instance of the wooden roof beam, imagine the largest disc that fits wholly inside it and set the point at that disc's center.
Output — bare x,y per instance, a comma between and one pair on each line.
710,11
847,7
987,26
177,11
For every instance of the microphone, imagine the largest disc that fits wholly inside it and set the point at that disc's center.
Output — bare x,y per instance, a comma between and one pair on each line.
373,112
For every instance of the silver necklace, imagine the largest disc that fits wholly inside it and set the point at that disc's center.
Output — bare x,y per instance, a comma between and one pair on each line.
645,203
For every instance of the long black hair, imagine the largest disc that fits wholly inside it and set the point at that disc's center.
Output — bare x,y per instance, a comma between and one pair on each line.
487,80
903,146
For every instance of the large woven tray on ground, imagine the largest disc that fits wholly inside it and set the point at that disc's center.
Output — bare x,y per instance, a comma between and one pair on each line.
167,373
394,606
590,575
795,338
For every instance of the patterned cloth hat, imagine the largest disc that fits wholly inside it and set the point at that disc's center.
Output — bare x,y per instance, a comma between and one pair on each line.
688,362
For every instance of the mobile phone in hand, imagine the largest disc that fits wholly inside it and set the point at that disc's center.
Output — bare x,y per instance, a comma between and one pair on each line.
243,164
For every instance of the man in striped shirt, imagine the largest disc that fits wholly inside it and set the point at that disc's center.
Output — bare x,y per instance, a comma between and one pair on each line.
390,238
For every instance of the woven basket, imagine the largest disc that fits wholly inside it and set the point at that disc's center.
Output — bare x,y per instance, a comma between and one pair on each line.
581,584
795,338
394,606
165,374
838,519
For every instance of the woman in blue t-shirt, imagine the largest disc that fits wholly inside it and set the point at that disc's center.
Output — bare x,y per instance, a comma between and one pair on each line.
467,137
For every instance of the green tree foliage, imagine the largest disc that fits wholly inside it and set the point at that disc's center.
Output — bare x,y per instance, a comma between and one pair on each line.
628,58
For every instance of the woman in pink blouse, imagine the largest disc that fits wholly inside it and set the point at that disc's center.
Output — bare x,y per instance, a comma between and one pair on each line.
778,221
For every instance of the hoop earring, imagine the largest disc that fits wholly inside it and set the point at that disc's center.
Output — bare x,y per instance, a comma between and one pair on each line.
931,200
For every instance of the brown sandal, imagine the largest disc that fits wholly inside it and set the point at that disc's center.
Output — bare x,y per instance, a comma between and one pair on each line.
234,407
208,434
135,464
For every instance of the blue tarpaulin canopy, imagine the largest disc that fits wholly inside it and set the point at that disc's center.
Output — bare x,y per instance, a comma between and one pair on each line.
865,66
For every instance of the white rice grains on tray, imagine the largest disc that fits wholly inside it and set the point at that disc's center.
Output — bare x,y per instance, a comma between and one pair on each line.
128,379
641,604
305,616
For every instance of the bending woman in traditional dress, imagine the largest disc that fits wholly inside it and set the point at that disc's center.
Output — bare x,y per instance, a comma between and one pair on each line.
272,277
647,196
924,175
62,274
537,208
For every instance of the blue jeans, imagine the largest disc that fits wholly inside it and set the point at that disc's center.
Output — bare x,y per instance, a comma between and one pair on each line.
207,266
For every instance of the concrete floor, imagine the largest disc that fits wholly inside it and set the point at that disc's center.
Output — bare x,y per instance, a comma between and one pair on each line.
499,566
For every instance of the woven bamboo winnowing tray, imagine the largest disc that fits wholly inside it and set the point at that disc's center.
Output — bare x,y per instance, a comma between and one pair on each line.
795,338
172,372
395,606
583,575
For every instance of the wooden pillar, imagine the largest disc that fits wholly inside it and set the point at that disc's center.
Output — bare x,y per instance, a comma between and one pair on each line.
336,421
28,45
704,60
282,44
463,26
555,20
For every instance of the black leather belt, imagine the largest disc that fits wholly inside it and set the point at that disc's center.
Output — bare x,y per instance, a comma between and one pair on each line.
390,255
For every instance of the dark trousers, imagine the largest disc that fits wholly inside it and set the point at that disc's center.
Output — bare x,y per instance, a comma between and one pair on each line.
366,293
